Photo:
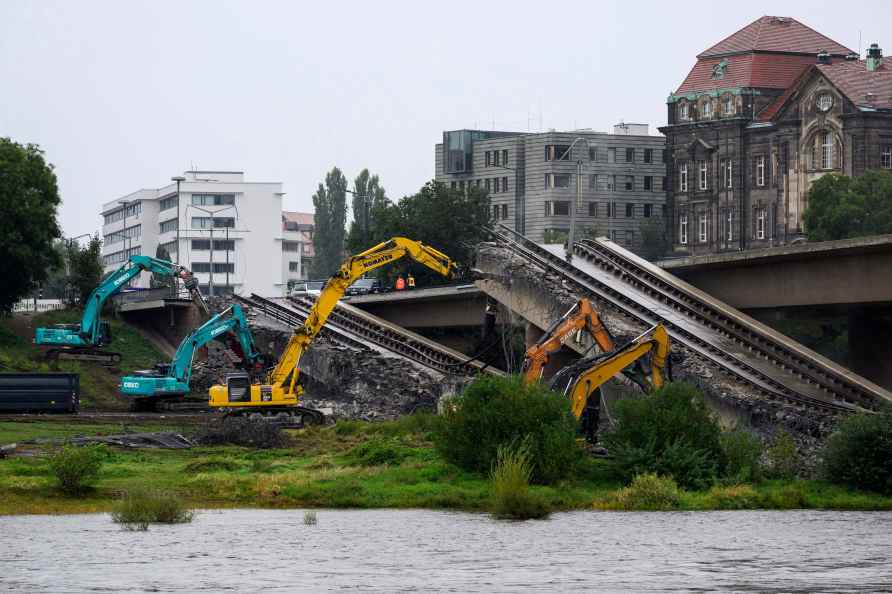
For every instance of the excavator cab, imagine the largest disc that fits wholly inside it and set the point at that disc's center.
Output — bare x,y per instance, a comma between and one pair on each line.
238,387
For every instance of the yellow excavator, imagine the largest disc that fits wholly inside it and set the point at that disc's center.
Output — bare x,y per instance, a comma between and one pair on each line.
280,394
581,381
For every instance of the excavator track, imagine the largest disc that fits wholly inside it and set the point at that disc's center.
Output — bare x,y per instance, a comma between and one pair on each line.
288,417
83,354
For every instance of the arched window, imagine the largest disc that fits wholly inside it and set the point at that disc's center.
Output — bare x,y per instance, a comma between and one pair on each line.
826,151
706,109
684,111
728,105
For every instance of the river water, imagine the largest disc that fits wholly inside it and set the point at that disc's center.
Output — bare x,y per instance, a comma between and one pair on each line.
406,551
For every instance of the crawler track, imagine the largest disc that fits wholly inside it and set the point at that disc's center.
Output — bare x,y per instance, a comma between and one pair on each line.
352,327
780,368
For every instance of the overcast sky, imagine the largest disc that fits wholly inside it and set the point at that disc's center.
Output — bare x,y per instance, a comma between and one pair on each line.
123,95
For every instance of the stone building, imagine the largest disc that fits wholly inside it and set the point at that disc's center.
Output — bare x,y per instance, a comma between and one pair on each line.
762,114
531,179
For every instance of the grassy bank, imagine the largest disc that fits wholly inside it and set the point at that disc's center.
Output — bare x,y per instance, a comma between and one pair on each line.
99,384
357,465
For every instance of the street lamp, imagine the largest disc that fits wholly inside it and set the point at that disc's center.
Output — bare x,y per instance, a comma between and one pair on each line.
178,179
211,214
571,238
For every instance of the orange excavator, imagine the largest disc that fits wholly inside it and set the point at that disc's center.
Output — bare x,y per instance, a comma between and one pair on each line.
581,316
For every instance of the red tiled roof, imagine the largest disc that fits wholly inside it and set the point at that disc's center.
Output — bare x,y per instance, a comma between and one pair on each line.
855,81
776,34
762,71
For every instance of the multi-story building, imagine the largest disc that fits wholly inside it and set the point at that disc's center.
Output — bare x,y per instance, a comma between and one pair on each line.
214,223
762,114
531,179
297,245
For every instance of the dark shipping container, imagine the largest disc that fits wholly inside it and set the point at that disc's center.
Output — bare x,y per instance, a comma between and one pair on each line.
39,392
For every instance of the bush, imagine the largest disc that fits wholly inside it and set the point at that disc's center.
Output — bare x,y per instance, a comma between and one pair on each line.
502,411
859,453
139,508
77,468
211,465
511,496
733,497
743,453
669,432
782,457
243,432
648,492
377,452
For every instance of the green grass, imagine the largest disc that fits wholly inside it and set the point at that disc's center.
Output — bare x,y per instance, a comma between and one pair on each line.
62,427
343,466
99,384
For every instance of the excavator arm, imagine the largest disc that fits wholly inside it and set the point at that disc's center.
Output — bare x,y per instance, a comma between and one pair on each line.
581,316
583,378
383,253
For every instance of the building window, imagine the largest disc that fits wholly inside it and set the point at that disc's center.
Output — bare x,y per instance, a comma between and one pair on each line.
478,182
683,177
504,211
648,182
728,172
630,210
630,155
683,229
825,102
630,237
886,157
611,154
557,208
170,247
227,245
487,184
664,181
648,209
504,184
496,183
728,105
289,246
557,152
211,222
704,180
648,155
495,212
707,109
557,180
827,150
213,199
730,225
593,209
630,182
760,170
170,225
293,266
760,223
167,203
592,153
701,228
684,111
487,159
611,210
219,267
601,182
505,157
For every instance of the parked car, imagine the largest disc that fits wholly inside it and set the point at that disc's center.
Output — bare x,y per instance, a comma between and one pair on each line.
311,288
363,286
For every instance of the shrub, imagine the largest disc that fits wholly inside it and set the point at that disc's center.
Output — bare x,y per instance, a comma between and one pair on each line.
77,468
502,411
377,452
648,492
211,465
669,432
511,496
859,453
243,432
139,508
743,453
782,457
733,497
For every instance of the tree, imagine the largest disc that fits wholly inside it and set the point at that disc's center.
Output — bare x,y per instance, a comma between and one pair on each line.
29,198
450,220
654,243
86,267
159,281
369,195
840,206
330,202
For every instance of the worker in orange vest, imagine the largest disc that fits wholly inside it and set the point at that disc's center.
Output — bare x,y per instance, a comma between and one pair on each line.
411,281
400,283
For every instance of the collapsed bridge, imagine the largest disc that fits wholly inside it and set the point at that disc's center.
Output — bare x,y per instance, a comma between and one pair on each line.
771,367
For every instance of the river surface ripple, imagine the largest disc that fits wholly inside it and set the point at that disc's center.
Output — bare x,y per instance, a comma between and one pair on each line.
417,550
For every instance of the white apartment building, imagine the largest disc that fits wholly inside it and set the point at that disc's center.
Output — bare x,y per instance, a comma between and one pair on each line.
221,227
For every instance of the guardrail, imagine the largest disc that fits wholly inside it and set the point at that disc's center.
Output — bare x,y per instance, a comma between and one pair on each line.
37,305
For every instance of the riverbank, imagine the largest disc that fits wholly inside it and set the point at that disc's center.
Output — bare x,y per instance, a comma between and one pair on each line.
350,465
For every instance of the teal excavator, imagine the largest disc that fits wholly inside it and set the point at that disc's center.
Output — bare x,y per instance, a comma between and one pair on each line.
84,341
168,380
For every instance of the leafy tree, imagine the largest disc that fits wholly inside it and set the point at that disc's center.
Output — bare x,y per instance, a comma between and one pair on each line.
86,267
654,244
857,454
840,206
369,197
29,198
159,281
330,203
56,284
450,220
